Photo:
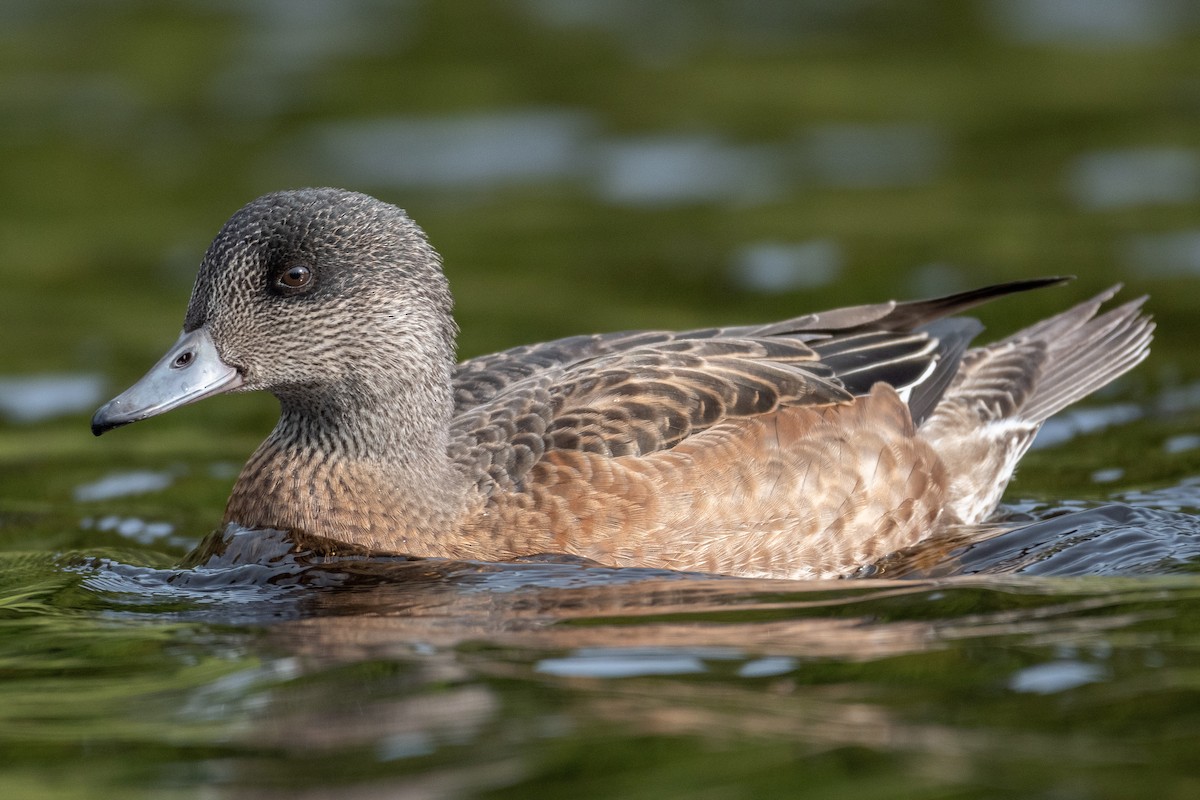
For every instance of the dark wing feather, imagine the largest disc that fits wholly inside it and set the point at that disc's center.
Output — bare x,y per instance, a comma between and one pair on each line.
953,337
861,360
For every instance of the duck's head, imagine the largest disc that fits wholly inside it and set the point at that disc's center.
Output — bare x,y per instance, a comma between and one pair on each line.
316,295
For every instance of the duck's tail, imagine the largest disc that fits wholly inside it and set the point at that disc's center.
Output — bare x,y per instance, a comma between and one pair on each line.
1003,392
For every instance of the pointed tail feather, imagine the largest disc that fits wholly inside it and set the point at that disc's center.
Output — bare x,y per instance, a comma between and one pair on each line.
1090,357
1004,391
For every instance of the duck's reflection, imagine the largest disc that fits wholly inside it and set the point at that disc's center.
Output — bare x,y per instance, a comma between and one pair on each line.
443,678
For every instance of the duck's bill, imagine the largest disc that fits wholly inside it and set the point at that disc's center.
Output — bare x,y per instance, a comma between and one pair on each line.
190,371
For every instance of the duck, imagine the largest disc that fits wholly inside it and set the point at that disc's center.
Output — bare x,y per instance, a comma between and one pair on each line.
806,448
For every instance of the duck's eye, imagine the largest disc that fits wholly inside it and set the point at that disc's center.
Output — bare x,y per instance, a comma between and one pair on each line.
295,277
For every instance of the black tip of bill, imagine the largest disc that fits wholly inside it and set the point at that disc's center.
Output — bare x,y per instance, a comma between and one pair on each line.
191,370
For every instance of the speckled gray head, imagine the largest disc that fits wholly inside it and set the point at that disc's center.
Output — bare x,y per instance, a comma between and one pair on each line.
321,296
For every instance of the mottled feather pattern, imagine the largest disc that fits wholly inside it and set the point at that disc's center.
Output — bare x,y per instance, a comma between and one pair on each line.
637,402
479,379
867,486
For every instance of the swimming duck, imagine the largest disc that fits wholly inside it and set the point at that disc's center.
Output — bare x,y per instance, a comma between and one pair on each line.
803,448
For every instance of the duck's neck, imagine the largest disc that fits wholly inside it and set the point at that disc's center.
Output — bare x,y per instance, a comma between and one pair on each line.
365,464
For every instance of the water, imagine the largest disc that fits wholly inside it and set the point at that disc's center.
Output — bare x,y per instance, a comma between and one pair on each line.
301,677
676,164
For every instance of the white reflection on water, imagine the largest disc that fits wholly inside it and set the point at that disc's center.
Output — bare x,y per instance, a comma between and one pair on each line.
768,667
1164,255
41,397
782,267
133,528
470,151
617,662
1178,399
1182,443
1110,179
150,533
1055,677
682,169
122,484
1066,425
1092,22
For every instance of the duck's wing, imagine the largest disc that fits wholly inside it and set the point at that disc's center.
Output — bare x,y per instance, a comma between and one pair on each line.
635,393
652,397
480,379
